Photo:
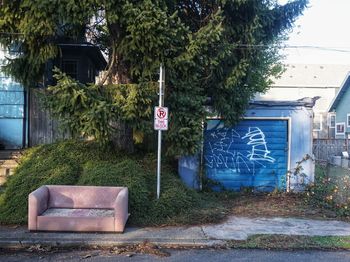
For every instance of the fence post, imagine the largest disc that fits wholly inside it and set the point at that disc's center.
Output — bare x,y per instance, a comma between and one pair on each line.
318,146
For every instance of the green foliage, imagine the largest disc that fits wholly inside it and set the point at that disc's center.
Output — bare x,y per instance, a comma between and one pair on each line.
331,189
83,110
215,52
133,104
85,163
151,35
91,110
50,164
175,199
126,173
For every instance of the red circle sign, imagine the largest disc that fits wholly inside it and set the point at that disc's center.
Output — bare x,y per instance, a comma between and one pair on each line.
161,113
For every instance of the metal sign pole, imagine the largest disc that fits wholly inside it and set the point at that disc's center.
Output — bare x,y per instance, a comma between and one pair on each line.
161,94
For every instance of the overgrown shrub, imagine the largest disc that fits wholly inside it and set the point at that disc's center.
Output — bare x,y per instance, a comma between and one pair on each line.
87,110
331,189
126,173
85,163
175,199
58,163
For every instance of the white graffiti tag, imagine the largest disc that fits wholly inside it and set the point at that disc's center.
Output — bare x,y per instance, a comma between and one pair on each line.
259,150
222,150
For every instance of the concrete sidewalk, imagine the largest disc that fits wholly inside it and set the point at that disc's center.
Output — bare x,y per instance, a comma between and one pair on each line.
235,228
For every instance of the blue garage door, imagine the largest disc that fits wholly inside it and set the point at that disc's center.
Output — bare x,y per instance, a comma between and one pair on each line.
11,113
252,154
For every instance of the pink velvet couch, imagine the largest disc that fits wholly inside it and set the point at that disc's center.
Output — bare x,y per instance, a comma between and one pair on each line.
78,208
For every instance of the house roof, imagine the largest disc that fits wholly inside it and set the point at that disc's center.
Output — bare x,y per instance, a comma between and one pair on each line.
343,89
306,102
91,50
312,75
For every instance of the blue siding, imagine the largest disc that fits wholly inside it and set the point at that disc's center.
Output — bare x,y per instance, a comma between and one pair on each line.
11,113
253,154
342,109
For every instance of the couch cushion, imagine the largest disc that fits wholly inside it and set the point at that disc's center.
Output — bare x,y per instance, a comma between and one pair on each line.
78,212
82,196
86,224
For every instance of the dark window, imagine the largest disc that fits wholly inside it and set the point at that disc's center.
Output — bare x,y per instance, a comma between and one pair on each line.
91,73
331,121
340,128
317,125
70,67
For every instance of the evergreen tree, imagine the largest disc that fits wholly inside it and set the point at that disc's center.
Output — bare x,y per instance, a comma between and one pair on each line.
216,52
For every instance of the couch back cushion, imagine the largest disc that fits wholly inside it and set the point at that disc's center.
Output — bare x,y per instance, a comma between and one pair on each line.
82,196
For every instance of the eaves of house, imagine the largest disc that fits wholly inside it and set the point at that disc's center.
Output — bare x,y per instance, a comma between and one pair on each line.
343,89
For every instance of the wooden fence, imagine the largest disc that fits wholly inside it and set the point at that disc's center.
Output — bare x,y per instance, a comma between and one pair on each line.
324,149
43,129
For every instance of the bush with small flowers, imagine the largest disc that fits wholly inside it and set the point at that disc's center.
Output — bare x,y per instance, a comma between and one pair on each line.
331,189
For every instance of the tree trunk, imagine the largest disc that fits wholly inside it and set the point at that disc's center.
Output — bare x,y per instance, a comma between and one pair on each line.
117,73
123,136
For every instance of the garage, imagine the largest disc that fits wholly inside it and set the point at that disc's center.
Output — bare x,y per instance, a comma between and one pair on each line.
251,154
269,149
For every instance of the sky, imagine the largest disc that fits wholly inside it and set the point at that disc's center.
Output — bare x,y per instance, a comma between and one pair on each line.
324,29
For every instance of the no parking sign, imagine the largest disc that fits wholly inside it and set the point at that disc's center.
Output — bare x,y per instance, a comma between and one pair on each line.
160,118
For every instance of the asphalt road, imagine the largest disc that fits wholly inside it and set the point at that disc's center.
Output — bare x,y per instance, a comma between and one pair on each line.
181,255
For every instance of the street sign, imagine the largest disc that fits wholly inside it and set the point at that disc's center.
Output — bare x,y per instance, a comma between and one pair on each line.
160,118
160,123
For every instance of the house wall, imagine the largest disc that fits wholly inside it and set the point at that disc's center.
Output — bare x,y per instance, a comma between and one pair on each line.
342,110
320,129
12,110
310,80
23,122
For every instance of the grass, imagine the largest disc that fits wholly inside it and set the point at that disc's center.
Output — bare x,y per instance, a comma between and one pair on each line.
84,163
283,242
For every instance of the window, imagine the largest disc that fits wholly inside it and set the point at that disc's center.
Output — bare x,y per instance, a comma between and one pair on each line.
317,122
340,128
348,120
331,121
91,73
70,67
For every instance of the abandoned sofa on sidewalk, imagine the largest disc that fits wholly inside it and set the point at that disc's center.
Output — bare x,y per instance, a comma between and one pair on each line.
78,208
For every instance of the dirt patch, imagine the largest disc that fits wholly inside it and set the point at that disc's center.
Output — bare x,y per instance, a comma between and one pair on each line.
276,205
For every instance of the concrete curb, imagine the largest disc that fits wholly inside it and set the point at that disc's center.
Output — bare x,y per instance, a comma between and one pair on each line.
235,228
170,236
16,244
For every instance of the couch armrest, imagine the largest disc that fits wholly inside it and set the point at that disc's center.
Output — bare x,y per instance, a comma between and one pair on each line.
37,204
121,209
